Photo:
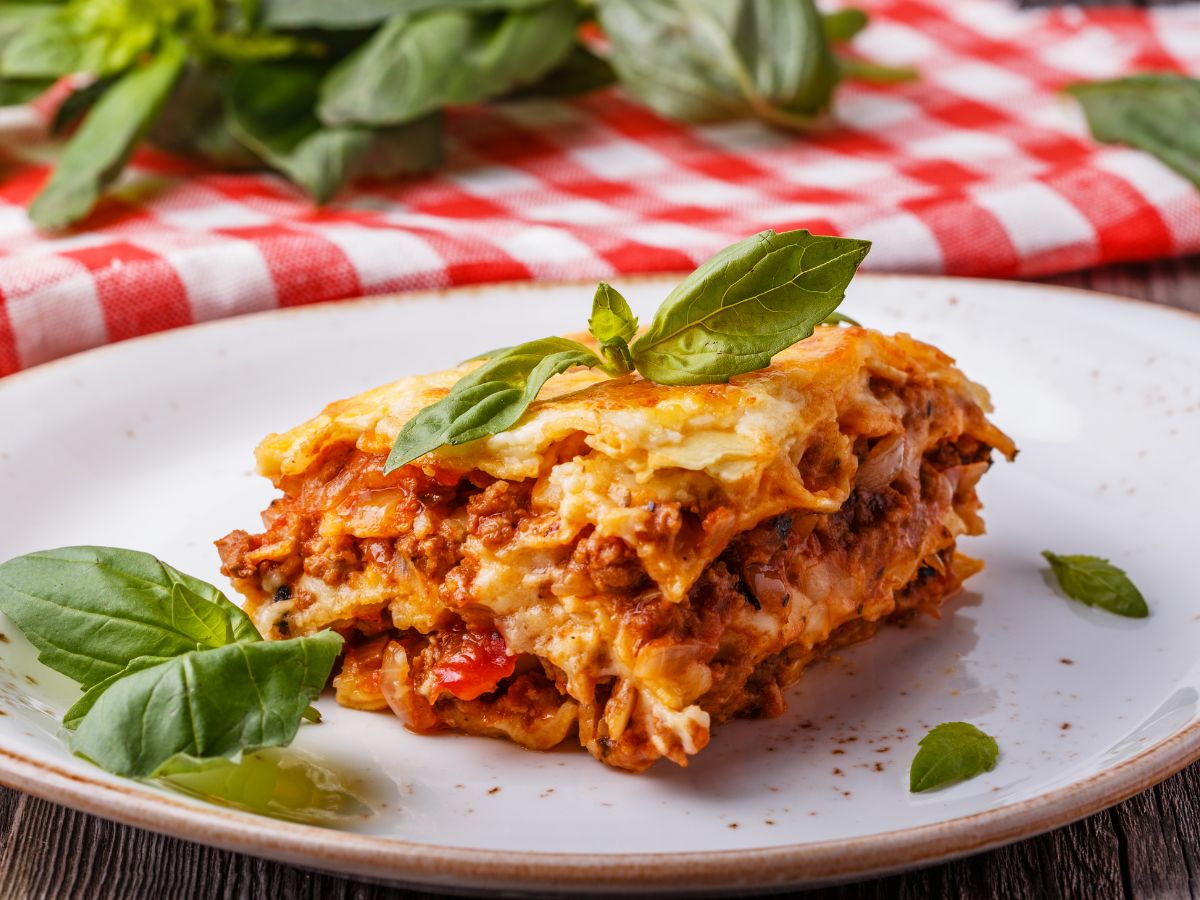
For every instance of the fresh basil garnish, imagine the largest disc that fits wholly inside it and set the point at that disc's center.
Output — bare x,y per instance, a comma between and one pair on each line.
269,109
746,304
1156,113
837,318
489,400
355,14
417,64
843,24
1097,582
729,317
99,150
951,752
613,325
322,92
168,664
701,60
206,704
91,611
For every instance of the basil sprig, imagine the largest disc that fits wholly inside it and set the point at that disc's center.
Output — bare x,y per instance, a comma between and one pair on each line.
700,60
951,752
1097,582
169,666
1156,113
489,400
324,92
729,317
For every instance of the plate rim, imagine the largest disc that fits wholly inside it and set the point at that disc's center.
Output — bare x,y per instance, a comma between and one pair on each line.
431,865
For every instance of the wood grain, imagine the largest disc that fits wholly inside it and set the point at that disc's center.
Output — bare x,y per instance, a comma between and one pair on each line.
1147,847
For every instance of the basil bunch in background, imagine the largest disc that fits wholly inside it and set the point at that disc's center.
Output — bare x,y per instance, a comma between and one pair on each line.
173,673
1157,112
324,92
736,311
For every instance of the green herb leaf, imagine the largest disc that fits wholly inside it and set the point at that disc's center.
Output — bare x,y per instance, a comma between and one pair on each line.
73,716
270,110
951,752
44,48
746,304
842,25
415,65
193,121
204,704
490,399
19,91
611,318
91,36
103,144
93,611
354,14
1097,582
703,60
1157,113
613,325
837,318
873,72
580,73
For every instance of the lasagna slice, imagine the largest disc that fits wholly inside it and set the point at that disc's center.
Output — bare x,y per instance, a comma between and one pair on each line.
631,563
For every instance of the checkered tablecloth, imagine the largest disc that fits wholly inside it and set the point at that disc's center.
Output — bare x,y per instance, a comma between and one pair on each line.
981,167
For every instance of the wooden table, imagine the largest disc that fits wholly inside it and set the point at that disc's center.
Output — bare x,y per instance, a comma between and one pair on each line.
1148,846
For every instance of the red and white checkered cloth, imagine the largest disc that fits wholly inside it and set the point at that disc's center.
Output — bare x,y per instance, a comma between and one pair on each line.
981,167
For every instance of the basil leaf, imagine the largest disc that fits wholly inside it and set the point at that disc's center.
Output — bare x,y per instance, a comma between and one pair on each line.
842,25
210,703
702,60
951,752
91,36
613,325
18,17
1156,113
353,14
103,144
873,72
19,91
408,149
1097,582
193,121
73,716
92,611
270,110
78,102
580,73
415,65
837,318
45,48
746,304
611,318
490,399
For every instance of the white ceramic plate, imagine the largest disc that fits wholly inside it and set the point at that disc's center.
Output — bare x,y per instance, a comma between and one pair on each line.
148,445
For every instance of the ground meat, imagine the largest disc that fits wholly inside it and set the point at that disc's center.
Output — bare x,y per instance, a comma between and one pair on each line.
611,564
234,548
494,514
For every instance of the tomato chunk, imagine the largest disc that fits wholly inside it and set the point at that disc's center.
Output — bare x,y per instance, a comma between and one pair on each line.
472,663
